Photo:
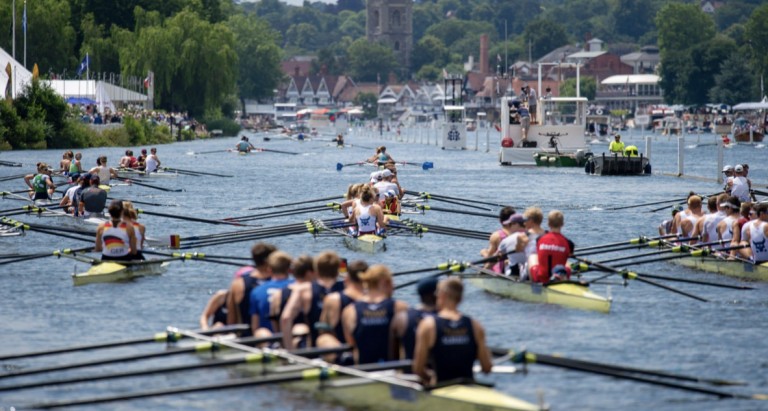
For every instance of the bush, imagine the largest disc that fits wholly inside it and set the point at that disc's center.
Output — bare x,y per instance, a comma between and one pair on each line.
227,126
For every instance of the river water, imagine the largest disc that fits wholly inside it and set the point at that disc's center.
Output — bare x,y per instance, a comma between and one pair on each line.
647,327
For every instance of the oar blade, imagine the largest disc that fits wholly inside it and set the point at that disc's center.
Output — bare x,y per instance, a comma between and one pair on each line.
339,166
427,165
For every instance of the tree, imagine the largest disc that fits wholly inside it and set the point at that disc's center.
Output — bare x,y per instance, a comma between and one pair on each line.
706,62
430,50
50,37
757,38
259,57
734,83
633,18
543,36
369,103
326,62
587,88
303,36
369,61
682,26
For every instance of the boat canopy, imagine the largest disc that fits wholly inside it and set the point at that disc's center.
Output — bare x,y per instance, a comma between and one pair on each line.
761,105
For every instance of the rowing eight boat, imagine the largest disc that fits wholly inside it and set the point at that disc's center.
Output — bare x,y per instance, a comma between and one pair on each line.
732,268
567,294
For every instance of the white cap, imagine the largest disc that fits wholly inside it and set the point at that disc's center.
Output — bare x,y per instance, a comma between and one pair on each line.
375,176
727,168
386,173
738,168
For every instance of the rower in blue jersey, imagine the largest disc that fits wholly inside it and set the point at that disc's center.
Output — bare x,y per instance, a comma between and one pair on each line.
381,157
331,332
244,146
368,322
239,295
307,299
279,268
452,340
303,274
405,323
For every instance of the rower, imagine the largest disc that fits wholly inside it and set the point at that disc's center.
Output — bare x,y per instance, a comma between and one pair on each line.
728,228
127,159
329,327
512,248
389,192
666,225
339,140
68,200
451,339
740,185
153,162
706,227
681,215
616,146
758,233
367,322
280,276
381,156
244,146
307,300
76,166
41,183
130,215
496,238
533,219
368,215
116,239
141,161
214,314
280,302
687,224
352,199
747,219
66,162
104,172
238,298
93,199
552,251
406,322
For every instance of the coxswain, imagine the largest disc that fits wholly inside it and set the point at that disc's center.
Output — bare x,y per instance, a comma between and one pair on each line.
452,340
496,238
331,332
757,234
153,161
214,314
131,215
40,183
405,323
280,276
116,239
307,300
728,172
244,146
368,322
512,248
552,251
616,146
368,215
303,272
93,199
238,297
103,171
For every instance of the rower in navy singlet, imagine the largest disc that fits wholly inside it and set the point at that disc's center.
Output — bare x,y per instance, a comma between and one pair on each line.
452,340
215,312
238,297
407,322
368,322
303,273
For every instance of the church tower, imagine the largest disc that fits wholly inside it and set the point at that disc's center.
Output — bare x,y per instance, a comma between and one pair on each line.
390,22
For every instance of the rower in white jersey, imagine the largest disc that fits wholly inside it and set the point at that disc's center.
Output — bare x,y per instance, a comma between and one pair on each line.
104,171
153,162
352,199
687,223
385,186
740,185
728,227
747,213
706,227
757,234
368,215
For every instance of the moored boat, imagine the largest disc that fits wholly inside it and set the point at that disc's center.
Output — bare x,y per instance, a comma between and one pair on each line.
110,271
615,165
567,294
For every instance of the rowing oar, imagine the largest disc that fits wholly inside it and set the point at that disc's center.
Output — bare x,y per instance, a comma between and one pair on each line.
687,251
132,181
633,241
187,218
428,196
311,374
339,166
192,256
424,166
276,151
200,347
425,207
14,177
11,260
10,164
143,202
164,336
628,373
193,153
283,213
450,268
194,172
674,200
443,200
634,276
246,359
297,202
649,244
227,237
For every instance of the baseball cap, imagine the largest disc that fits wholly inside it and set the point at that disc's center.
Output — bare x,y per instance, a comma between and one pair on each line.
727,168
427,286
385,173
515,218
738,168
677,208
732,202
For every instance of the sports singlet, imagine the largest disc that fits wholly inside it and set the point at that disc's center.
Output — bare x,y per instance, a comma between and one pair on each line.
455,349
692,219
727,235
409,338
710,226
372,330
74,167
498,266
740,188
39,183
366,224
220,315
344,301
757,242
151,164
316,306
249,283
115,240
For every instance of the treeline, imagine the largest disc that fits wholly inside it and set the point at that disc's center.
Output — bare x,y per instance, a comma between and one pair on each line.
208,54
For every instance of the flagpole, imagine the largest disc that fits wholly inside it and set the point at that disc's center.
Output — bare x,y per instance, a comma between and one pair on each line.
25,33
13,29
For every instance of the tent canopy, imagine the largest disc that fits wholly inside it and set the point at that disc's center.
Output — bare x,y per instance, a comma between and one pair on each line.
80,100
761,105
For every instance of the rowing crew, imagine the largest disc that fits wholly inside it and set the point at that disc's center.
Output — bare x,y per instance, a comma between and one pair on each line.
740,227
525,250
122,237
369,206
304,297
147,163
244,145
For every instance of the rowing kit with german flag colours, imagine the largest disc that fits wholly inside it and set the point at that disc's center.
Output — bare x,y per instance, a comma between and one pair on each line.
188,358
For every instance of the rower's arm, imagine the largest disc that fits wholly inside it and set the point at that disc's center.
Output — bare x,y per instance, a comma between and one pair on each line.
236,289
425,340
349,323
483,353
99,233
290,312
28,178
330,313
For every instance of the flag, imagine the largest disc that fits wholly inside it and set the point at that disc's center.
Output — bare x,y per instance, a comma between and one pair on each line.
147,82
84,65
9,72
24,19
35,72
498,58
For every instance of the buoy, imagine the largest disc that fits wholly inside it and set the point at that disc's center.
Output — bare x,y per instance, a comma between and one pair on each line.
599,112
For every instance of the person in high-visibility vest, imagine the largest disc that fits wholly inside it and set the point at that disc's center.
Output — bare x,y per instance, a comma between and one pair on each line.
617,146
